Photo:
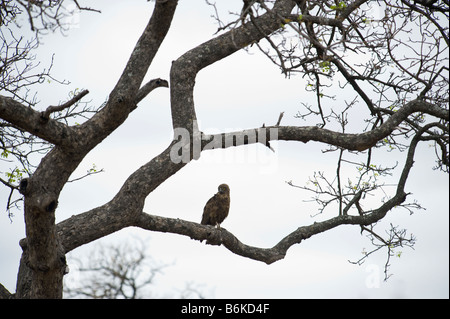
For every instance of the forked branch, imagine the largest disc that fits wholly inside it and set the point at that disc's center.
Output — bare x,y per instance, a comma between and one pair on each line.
45,115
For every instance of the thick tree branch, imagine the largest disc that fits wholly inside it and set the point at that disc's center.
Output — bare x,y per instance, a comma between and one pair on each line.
353,142
4,293
145,50
215,236
104,222
31,121
127,92
42,263
184,70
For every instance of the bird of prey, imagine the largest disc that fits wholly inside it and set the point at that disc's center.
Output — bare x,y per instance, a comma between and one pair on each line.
217,207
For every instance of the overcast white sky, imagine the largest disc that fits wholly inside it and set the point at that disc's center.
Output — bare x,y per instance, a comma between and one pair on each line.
242,91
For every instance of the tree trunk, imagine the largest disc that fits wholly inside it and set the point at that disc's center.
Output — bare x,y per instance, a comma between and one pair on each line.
43,262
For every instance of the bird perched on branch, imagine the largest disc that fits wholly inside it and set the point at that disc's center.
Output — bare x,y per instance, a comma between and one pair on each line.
217,207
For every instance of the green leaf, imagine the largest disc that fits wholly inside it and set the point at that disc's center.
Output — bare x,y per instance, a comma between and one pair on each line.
5,154
341,6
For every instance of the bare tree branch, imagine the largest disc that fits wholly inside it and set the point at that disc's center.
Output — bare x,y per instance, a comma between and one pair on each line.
150,86
31,121
51,109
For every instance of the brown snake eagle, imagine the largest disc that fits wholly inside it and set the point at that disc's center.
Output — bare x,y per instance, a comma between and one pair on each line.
217,207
